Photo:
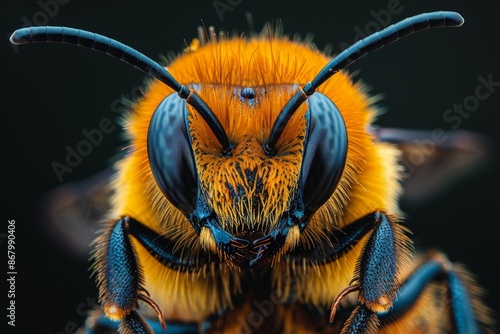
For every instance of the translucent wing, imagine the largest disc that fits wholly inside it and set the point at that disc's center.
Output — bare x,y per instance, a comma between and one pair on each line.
436,160
72,212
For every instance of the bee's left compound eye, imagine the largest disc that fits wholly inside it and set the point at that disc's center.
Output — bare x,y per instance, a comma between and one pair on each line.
170,155
325,151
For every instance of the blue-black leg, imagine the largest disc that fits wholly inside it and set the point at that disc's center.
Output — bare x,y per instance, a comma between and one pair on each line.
436,269
133,323
377,269
98,323
376,274
120,280
361,321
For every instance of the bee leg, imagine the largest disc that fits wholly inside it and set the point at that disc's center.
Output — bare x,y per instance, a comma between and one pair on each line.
120,280
436,269
376,275
98,323
133,323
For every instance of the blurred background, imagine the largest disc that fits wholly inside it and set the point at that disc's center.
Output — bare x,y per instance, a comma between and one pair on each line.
54,94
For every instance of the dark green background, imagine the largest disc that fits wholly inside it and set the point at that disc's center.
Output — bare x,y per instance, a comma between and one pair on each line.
52,92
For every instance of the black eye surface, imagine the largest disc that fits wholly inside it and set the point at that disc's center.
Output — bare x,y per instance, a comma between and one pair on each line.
325,151
170,155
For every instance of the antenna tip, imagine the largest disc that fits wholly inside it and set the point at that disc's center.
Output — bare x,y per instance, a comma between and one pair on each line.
454,19
20,36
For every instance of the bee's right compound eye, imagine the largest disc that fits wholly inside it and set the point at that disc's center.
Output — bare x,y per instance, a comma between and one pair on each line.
170,154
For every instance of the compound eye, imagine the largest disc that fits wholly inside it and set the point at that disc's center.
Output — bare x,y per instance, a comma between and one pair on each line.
325,151
170,155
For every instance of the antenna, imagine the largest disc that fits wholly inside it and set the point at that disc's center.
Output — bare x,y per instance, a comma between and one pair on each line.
128,55
356,51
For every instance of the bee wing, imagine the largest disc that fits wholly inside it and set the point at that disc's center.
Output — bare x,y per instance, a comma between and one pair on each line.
435,160
73,212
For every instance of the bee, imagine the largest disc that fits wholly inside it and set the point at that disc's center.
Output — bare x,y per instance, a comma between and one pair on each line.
256,196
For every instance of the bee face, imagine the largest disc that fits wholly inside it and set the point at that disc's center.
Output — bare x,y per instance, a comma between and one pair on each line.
247,205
